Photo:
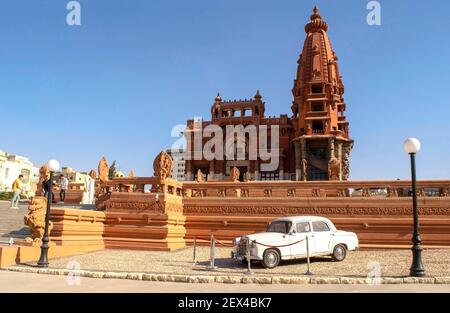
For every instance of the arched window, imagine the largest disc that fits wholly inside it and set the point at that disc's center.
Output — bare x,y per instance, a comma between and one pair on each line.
26,175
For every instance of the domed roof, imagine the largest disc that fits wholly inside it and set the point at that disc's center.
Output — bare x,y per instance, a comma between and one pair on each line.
316,23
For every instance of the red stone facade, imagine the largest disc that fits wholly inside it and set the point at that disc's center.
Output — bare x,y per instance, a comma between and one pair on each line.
314,142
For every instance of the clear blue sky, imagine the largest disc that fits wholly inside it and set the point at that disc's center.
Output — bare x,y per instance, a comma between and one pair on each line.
117,84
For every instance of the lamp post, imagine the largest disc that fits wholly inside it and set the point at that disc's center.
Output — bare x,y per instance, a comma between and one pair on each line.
52,166
412,146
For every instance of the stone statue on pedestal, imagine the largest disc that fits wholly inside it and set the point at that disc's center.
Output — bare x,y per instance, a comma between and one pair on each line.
200,176
103,170
35,219
334,169
234,174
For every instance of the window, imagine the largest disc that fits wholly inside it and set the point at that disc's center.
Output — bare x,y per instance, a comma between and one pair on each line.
7,173
320,226
317,127
270,175
247,112
303,227
317,106
279,227
317,89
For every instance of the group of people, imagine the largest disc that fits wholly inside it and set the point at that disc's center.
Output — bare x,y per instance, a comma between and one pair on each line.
47,187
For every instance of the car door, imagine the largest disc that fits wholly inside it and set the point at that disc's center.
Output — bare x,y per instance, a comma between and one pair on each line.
321,236
297,238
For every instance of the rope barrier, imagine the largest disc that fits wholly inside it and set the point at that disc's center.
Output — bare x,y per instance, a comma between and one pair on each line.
282,246
209,240
221,243
202,239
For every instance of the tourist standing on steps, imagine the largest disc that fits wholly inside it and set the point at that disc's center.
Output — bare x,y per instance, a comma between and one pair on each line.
63,185
17,190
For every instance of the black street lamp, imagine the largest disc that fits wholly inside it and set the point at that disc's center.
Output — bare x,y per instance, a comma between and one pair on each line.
52,166
412,146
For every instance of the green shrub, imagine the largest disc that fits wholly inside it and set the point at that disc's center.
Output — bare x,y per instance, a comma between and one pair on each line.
9,195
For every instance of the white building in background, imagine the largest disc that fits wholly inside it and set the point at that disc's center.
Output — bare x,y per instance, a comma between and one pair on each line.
73,176
179,163
11,166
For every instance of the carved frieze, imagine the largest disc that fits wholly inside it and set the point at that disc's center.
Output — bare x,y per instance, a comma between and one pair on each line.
272,210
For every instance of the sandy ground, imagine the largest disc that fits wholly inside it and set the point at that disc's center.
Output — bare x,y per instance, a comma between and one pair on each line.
392,263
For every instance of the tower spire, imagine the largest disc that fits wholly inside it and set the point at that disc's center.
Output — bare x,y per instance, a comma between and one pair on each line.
319,107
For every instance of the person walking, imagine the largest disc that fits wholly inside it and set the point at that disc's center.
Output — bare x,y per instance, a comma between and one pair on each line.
63,185
17,190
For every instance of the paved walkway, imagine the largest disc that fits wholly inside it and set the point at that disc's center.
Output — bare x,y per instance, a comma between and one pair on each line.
25,282
11,221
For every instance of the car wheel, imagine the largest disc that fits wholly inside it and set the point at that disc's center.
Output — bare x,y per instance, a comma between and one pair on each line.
339,253
271,258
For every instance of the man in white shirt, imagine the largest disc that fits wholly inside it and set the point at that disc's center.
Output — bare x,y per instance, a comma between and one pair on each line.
63,185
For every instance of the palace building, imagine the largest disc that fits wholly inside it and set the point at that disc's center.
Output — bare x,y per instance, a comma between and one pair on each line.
314,142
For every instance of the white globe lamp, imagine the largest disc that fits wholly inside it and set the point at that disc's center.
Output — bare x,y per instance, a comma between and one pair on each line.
411,145
53,165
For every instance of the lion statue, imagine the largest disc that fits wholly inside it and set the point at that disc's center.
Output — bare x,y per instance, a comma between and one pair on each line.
35,219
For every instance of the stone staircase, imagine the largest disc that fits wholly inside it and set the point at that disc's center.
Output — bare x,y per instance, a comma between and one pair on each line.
11,222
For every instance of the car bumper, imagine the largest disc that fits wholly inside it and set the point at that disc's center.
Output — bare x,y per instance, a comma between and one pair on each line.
237,256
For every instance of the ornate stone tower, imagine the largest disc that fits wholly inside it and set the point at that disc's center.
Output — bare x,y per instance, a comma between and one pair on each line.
322,143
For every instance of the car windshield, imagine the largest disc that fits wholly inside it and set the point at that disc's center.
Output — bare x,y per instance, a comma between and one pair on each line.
279,227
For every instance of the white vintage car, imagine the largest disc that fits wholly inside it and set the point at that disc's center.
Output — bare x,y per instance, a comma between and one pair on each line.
285,239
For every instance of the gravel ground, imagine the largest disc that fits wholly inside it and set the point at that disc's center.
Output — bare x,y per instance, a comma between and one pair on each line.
392,263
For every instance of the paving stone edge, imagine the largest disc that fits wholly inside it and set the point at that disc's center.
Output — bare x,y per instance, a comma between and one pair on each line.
233,279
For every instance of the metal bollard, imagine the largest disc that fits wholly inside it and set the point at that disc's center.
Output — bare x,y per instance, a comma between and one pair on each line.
213,253
249,261
194,257
308,272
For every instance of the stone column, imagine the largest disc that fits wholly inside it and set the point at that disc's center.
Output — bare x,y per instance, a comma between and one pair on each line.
211,175
281,169
298,160
188,168
347,147
304,161
331,148
339,156
256,176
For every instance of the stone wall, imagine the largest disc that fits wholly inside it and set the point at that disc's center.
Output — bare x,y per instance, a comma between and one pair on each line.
378,211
